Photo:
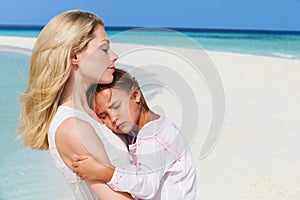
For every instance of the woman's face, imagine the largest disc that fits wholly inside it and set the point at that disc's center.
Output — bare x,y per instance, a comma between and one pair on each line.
118,110
96,62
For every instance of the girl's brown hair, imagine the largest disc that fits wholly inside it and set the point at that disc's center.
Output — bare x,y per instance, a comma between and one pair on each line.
123,81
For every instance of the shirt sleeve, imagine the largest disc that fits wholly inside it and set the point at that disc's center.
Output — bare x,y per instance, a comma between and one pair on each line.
139,185
142,179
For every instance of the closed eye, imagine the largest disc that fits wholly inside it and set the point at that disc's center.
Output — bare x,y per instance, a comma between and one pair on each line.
105,46
116,106
105,49
102,115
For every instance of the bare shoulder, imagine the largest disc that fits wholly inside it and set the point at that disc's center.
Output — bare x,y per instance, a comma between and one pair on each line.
67,139
76,136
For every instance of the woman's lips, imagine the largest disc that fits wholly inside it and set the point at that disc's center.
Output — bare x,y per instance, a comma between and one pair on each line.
111,67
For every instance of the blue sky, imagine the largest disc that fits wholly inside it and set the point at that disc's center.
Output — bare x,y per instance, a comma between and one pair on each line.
229,14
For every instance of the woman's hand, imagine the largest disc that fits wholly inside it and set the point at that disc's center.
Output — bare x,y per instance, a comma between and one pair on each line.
91,169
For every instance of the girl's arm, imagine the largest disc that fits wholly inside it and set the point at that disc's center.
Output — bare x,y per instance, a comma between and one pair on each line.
91,169
142,179
68,143
141,183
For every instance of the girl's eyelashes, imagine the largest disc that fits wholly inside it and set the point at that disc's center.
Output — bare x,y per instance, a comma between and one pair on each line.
102,115
116,106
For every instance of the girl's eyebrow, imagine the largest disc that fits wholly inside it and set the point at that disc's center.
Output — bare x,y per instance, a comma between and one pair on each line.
113,104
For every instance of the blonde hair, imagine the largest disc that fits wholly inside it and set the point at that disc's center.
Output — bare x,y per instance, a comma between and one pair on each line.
50,68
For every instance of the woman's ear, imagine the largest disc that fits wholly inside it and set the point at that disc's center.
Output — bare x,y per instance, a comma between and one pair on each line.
136,96
74,59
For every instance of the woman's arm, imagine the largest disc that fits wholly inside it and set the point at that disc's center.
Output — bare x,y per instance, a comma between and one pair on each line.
68,143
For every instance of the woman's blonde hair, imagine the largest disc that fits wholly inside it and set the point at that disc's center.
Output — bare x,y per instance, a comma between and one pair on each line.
50,68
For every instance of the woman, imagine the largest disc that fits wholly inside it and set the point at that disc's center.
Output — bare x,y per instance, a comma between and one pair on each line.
71,53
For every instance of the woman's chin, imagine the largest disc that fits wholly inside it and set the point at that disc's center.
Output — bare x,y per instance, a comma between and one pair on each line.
107,77
106,80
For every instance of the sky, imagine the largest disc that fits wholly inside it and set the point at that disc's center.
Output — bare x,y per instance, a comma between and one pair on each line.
216,14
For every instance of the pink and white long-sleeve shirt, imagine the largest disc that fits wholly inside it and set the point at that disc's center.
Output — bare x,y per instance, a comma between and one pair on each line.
162,165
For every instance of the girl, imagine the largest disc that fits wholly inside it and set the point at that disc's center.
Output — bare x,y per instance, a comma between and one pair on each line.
161,166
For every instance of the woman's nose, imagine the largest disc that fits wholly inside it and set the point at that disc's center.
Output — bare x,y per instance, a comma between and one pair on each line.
113,56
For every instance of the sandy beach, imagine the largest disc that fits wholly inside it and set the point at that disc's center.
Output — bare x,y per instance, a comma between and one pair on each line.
257,154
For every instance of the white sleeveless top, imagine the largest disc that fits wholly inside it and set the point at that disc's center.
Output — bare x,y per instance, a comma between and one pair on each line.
115,149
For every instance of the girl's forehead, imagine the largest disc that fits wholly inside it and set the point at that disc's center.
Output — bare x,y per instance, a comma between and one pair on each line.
111,94
105,94
118,93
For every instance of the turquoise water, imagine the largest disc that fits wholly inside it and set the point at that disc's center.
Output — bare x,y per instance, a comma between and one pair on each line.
12,65
275,44
266,43
27,174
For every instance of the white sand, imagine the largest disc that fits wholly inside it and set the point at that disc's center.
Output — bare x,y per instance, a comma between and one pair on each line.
257,156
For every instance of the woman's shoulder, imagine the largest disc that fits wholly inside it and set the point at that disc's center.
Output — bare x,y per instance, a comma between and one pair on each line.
67,126
68,118
69,130
72,125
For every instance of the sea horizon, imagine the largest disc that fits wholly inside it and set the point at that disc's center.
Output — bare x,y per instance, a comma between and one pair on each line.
274,43
185,29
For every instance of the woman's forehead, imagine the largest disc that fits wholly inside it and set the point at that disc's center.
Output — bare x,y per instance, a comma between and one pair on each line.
100,33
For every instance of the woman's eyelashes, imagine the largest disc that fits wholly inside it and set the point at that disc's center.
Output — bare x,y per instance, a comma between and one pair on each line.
105,49
106,46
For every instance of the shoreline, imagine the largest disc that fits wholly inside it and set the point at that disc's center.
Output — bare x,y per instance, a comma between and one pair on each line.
18,43
256,156
25,44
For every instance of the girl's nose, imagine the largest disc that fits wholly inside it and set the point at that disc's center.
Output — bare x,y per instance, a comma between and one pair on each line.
113,118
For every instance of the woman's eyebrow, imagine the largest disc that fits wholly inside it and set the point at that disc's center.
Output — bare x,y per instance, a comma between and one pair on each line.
105,40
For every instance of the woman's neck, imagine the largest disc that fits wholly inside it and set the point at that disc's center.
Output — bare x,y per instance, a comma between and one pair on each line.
74,95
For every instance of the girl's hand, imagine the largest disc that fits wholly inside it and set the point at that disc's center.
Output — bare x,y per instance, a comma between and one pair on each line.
91,169
86,167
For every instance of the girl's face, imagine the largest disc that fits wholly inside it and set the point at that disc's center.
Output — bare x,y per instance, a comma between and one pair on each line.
96,61
118,110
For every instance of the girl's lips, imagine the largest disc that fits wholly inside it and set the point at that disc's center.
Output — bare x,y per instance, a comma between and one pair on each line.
119,126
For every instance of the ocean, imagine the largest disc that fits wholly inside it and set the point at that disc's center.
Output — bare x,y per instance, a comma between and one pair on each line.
284,44
30,175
